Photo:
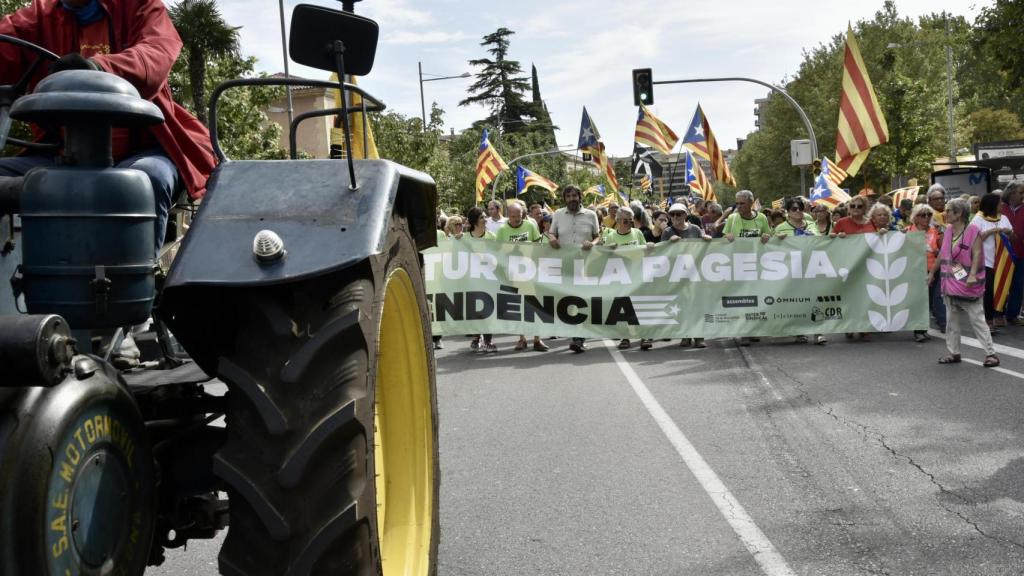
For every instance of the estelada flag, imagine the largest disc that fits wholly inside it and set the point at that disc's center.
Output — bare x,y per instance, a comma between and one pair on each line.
1005,263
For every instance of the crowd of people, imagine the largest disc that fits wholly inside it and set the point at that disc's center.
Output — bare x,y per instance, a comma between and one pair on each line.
961,237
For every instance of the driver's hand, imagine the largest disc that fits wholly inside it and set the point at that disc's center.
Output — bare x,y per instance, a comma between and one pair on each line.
73,61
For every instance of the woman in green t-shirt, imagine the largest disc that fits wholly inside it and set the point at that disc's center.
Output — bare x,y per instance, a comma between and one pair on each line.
624,234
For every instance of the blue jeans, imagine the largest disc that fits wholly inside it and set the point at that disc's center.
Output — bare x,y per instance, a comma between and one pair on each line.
153,162
938,306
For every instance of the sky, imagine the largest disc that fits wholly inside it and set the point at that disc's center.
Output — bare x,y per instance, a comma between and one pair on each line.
585,51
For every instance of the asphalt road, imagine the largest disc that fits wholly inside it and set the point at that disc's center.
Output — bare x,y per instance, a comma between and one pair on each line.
845,459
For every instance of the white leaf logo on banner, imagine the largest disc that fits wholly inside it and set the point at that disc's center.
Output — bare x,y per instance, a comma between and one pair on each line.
898,295
899,320
878,321
876,269
878,296
886,244
893,242
887,297
896,268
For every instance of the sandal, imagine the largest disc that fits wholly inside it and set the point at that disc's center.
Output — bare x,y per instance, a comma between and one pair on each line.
991,361
624,344
521,345
951,359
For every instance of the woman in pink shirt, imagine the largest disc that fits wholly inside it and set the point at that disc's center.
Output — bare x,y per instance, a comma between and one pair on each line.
962,273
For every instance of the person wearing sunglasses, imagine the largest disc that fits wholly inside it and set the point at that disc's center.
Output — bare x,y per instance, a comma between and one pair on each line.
822,218
921,221
857,222
796,224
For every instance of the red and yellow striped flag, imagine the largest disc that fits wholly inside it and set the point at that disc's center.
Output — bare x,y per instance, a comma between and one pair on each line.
901,194
861,123
1003,270
653,133
488,164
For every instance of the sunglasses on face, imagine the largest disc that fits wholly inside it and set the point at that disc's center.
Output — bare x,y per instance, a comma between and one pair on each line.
860,206
795,209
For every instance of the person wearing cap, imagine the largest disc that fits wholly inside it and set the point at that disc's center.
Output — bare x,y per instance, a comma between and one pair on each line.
680,228
571,225
679,225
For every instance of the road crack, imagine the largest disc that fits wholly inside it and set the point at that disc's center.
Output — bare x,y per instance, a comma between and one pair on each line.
869,433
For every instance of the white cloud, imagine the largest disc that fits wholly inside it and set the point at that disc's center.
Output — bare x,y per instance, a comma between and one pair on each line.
584,52
427,37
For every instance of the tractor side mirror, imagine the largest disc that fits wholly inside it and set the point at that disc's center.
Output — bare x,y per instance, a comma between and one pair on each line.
315,30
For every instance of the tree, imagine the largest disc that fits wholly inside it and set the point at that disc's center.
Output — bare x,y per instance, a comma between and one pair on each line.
205,37
243,129
8,6
988,125
501,86
906,62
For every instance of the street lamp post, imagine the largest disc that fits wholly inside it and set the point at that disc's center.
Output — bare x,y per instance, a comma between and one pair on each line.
423,104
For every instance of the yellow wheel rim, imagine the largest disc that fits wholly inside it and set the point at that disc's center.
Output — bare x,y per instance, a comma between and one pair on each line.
403,435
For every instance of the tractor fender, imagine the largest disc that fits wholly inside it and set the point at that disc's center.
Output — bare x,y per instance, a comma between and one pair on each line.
324,224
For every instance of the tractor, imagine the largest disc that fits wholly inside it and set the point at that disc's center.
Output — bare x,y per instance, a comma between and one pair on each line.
295,285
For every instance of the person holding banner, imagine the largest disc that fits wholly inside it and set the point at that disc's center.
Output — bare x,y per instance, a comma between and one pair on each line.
797,225
962,274
744,222
822,218
520,229
574,225
478,223
991,223
624,234
921,221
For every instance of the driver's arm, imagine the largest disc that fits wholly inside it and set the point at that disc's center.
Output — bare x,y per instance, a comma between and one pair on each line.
20,24
150,50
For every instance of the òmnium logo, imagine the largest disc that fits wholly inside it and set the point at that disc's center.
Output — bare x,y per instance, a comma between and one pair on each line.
739,301
769,300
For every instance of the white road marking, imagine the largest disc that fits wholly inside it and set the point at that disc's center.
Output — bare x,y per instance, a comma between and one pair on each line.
974,343
765,554
996,369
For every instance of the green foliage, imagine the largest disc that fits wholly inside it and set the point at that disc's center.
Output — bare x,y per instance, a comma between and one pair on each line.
205,37
8,6
988,125
244,131
907,63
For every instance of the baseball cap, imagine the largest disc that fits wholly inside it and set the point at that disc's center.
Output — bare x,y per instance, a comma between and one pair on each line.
677,207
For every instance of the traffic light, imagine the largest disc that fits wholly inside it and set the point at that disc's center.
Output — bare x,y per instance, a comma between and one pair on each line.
643,87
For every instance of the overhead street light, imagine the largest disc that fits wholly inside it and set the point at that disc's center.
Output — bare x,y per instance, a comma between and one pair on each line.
423,105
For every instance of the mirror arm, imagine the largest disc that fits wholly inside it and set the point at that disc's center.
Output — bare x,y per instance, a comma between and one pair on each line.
338,48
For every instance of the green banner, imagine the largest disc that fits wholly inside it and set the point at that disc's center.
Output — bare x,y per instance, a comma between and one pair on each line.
690,288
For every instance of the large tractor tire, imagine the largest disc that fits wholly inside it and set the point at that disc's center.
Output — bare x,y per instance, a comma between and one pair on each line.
77,484
331,457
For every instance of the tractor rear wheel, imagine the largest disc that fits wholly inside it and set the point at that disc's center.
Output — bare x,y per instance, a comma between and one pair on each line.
331,457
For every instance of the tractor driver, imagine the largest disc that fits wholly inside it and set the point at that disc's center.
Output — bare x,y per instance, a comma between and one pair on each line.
136,40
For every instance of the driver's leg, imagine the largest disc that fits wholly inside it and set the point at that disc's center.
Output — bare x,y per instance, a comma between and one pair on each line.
165,180
19,165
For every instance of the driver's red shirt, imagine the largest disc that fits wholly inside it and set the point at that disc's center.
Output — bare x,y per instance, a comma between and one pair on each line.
138,43
94,40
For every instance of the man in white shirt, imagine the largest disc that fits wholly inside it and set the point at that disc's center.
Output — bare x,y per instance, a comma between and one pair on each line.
494,217
574,225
